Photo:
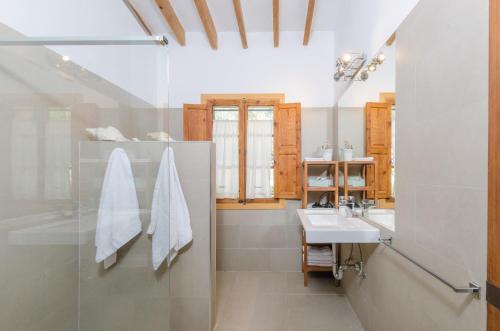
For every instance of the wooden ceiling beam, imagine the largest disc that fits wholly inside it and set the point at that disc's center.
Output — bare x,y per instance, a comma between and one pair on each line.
208,23
276,22
172,20
309,17
391,40
241,22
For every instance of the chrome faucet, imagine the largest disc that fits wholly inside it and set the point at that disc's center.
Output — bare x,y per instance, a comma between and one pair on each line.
367,205
345,208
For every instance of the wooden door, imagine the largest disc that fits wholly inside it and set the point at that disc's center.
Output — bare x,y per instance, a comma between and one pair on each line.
493,286
378,135
197,122
287,149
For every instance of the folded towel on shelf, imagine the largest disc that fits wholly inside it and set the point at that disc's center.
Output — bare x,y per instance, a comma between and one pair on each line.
319,250
170,222
319,256
118,216
363,159
315,159
320,181
107,134
160,136
355,181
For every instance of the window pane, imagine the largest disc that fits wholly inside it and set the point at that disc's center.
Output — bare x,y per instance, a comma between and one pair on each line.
260,155
225,136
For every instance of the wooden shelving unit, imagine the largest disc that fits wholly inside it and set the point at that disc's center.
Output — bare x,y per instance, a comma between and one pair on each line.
306,268
333,170
365,166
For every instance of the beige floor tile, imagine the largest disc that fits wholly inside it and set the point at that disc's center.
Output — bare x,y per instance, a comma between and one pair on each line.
278,301
318,283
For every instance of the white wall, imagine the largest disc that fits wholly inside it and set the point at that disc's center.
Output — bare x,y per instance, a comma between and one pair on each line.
304,74
141,70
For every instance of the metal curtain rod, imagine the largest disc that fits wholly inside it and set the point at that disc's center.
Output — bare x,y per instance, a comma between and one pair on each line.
84,41
473,288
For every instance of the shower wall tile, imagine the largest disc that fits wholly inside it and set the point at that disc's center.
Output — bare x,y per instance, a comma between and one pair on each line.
259,240
441,185
132,282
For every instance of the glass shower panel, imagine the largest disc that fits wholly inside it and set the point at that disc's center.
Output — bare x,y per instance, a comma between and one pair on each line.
49,97
129,295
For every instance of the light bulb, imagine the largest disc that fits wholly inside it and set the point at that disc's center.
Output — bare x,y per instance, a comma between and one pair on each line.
65,58
346,58
372,67
381,57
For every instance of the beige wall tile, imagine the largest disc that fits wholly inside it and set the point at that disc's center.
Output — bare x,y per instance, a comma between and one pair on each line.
441,219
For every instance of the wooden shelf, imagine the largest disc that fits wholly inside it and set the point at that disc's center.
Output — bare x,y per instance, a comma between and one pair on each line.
364,171
319,268
320,162
357,162
320,189
333,171
357,188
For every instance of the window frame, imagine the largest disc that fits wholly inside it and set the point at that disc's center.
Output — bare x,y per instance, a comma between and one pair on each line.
243,103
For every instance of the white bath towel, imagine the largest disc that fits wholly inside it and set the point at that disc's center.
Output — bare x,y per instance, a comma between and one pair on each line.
118,216
170,221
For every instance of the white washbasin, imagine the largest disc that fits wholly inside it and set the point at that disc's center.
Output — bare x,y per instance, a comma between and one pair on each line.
383,217
324,220
328,226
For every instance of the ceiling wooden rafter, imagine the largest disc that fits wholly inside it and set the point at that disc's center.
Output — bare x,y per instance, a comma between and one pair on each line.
309,17
241,22
208,23
276,22
172,20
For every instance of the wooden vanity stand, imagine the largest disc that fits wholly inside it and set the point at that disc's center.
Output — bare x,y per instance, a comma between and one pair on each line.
332,168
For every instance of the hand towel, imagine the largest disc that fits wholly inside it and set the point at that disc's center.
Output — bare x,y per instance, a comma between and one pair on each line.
118,216
170,221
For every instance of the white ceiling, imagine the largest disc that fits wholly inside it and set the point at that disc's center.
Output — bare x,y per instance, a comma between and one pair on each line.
258,15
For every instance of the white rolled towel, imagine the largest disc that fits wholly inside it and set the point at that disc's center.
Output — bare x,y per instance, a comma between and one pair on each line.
118,216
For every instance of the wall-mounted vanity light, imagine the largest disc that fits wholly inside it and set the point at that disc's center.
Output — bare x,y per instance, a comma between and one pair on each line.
349,65
364,73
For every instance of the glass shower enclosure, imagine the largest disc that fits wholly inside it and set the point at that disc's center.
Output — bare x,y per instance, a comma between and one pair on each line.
51,174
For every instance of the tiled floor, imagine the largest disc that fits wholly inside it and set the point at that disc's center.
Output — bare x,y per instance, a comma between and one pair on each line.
278,301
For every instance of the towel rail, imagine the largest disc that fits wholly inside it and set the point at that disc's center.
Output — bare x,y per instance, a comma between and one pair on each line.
473,288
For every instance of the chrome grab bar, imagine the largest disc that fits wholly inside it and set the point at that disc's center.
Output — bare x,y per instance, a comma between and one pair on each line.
473,288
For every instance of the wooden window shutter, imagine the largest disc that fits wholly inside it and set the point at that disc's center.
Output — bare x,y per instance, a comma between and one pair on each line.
197,122
287,147
378,122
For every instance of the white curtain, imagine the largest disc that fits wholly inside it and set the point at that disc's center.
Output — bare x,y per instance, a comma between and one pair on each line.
225,137
260,159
